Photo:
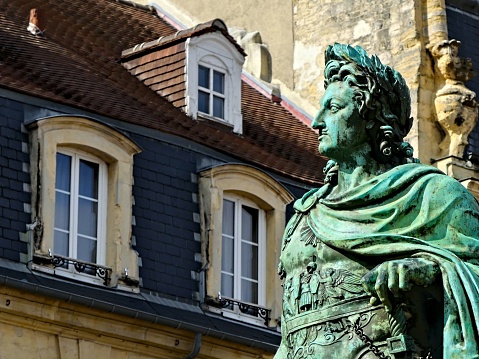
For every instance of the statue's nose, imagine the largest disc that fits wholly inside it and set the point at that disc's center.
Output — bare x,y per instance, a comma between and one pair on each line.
318,123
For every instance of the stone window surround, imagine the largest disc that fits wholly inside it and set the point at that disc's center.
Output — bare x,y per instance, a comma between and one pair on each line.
117,151
213,50
269,195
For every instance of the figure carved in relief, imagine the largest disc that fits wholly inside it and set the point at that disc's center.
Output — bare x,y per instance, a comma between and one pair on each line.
383,260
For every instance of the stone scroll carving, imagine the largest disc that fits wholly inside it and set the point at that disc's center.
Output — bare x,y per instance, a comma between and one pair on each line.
456,105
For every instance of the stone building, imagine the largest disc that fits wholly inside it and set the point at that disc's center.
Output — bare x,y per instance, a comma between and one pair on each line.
136,138
145,183
416,37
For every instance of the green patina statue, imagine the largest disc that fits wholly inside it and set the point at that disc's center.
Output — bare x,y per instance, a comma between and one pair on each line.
383,260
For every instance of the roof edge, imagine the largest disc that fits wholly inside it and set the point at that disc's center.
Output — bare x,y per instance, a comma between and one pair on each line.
167,17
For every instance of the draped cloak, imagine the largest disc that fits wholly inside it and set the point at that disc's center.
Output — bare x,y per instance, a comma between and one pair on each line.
412,210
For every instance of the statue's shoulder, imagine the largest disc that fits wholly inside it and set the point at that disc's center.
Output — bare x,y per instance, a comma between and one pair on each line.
308,200
438,185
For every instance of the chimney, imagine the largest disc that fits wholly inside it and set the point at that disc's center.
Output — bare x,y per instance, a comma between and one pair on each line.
34,24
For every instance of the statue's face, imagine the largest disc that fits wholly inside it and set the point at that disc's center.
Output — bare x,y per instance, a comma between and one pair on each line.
341,128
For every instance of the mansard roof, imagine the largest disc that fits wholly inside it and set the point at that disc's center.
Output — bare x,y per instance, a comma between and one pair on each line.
75,61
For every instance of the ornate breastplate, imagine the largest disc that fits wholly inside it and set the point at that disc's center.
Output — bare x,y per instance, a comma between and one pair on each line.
324,303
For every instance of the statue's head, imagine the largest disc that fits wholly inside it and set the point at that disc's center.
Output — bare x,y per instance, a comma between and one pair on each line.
380,98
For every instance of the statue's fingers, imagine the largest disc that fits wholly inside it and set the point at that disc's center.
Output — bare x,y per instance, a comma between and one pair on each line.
381,287
404,277
368,281
393,278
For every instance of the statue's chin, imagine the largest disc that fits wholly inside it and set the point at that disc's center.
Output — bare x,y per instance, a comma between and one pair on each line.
326,150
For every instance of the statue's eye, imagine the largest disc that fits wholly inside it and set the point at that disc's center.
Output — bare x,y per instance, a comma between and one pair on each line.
334,108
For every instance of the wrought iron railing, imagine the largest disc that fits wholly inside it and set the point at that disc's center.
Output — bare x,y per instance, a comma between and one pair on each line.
80,266
246,308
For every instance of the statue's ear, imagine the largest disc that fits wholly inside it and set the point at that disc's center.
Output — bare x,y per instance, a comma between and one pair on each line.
370,124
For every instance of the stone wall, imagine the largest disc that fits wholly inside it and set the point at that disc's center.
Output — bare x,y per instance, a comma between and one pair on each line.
272,18
394,31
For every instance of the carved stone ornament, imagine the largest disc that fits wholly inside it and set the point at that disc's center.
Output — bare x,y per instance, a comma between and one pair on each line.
456,105
258,62
383,260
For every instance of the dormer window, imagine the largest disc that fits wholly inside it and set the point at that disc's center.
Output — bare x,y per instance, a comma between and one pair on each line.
211,92
213,80
198,70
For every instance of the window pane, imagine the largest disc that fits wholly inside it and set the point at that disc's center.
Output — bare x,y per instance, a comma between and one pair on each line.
62,211
227,285
204,77
228,217
86,249
62,179
60,243
218,107
249,224
87,217
218,82
249,261
89,179
203,102
249,291
227,255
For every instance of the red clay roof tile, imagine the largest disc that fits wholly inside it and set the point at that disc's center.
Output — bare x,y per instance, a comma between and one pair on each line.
77,63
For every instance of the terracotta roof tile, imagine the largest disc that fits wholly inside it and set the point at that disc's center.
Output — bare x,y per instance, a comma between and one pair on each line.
77,63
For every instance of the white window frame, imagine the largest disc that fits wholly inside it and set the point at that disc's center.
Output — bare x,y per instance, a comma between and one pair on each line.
213,50
212,93
239,201
76,156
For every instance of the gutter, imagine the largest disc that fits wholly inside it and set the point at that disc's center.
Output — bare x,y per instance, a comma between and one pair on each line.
136,314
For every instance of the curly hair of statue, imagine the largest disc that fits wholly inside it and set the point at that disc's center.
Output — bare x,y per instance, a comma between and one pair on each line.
382,98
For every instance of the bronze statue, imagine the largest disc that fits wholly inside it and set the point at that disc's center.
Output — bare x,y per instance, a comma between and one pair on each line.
383,260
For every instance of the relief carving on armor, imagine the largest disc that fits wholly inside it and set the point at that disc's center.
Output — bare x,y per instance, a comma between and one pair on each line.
306,343
314,289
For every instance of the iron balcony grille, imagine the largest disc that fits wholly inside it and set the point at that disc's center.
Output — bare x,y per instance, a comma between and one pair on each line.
245,308
79,266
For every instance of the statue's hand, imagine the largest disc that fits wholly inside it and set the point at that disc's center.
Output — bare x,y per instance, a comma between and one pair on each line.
396,276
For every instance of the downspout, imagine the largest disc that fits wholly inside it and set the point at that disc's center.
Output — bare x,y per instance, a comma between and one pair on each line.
196,347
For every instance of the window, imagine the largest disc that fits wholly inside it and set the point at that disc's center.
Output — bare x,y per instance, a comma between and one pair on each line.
242,255
211,92
80,207
82,176
243,214
213,85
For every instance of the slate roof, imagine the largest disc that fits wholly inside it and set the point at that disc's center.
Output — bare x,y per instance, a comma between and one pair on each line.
76,62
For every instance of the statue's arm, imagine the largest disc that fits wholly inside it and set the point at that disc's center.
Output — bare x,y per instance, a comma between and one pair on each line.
455,215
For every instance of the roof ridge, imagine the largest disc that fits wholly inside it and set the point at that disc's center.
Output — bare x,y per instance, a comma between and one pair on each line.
136,5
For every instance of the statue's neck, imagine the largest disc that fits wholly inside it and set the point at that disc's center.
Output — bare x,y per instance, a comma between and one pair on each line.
351,175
